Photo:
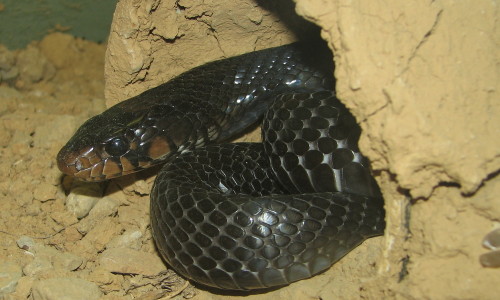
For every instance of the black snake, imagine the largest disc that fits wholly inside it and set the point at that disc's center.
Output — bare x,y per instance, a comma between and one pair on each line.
248,215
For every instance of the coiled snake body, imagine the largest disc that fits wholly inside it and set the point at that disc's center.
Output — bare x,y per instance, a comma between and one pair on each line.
248,215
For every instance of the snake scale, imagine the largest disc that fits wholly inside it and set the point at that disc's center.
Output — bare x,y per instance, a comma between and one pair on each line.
242,216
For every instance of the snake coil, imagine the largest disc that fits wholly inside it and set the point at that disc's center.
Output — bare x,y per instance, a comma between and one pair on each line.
248,215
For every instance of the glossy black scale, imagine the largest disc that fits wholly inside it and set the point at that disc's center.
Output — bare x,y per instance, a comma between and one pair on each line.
242,216
249,216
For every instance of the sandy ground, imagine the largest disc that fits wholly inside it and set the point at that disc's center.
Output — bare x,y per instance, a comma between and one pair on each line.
423,83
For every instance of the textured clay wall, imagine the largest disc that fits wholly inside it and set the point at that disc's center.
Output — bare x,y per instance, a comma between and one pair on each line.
422,78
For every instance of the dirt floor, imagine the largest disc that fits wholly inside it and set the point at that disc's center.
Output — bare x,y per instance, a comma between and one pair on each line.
427,97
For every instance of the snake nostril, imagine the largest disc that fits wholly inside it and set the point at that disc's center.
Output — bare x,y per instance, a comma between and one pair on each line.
79,165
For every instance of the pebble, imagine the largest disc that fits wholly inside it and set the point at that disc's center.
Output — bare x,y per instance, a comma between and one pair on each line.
25,243
68,261
23,289
129,261
34,66
10,74
71,235
492,240
33,209
47,257
129,239
10,273
8,69
99,236
64,218
490,259
10,98
105,207
37,265
81,200
65,289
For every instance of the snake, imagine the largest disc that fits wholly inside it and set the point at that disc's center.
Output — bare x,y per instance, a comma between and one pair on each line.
242,216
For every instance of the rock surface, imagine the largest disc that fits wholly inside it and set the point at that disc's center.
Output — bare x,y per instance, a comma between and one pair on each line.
65,289
421,77
422,82
129,261
10,273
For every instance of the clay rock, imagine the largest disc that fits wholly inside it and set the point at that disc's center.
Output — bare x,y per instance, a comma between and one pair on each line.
8,70
82,199
37,266
129,261
34,66
129,239
65,288
10,273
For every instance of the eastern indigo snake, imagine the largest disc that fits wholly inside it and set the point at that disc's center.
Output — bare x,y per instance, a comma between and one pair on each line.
248,215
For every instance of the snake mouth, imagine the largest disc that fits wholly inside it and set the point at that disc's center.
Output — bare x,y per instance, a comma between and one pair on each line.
90,164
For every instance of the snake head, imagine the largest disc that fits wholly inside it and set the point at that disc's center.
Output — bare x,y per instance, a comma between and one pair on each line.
112,144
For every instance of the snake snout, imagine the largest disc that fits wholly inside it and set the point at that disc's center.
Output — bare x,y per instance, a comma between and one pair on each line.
84,164
65,162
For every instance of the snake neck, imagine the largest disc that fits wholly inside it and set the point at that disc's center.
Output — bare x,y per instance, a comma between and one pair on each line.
207,104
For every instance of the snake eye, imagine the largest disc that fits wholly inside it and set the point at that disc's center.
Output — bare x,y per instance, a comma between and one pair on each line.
116,147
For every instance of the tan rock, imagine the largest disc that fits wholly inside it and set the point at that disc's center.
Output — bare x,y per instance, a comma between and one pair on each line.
422,79
65,288
129,261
